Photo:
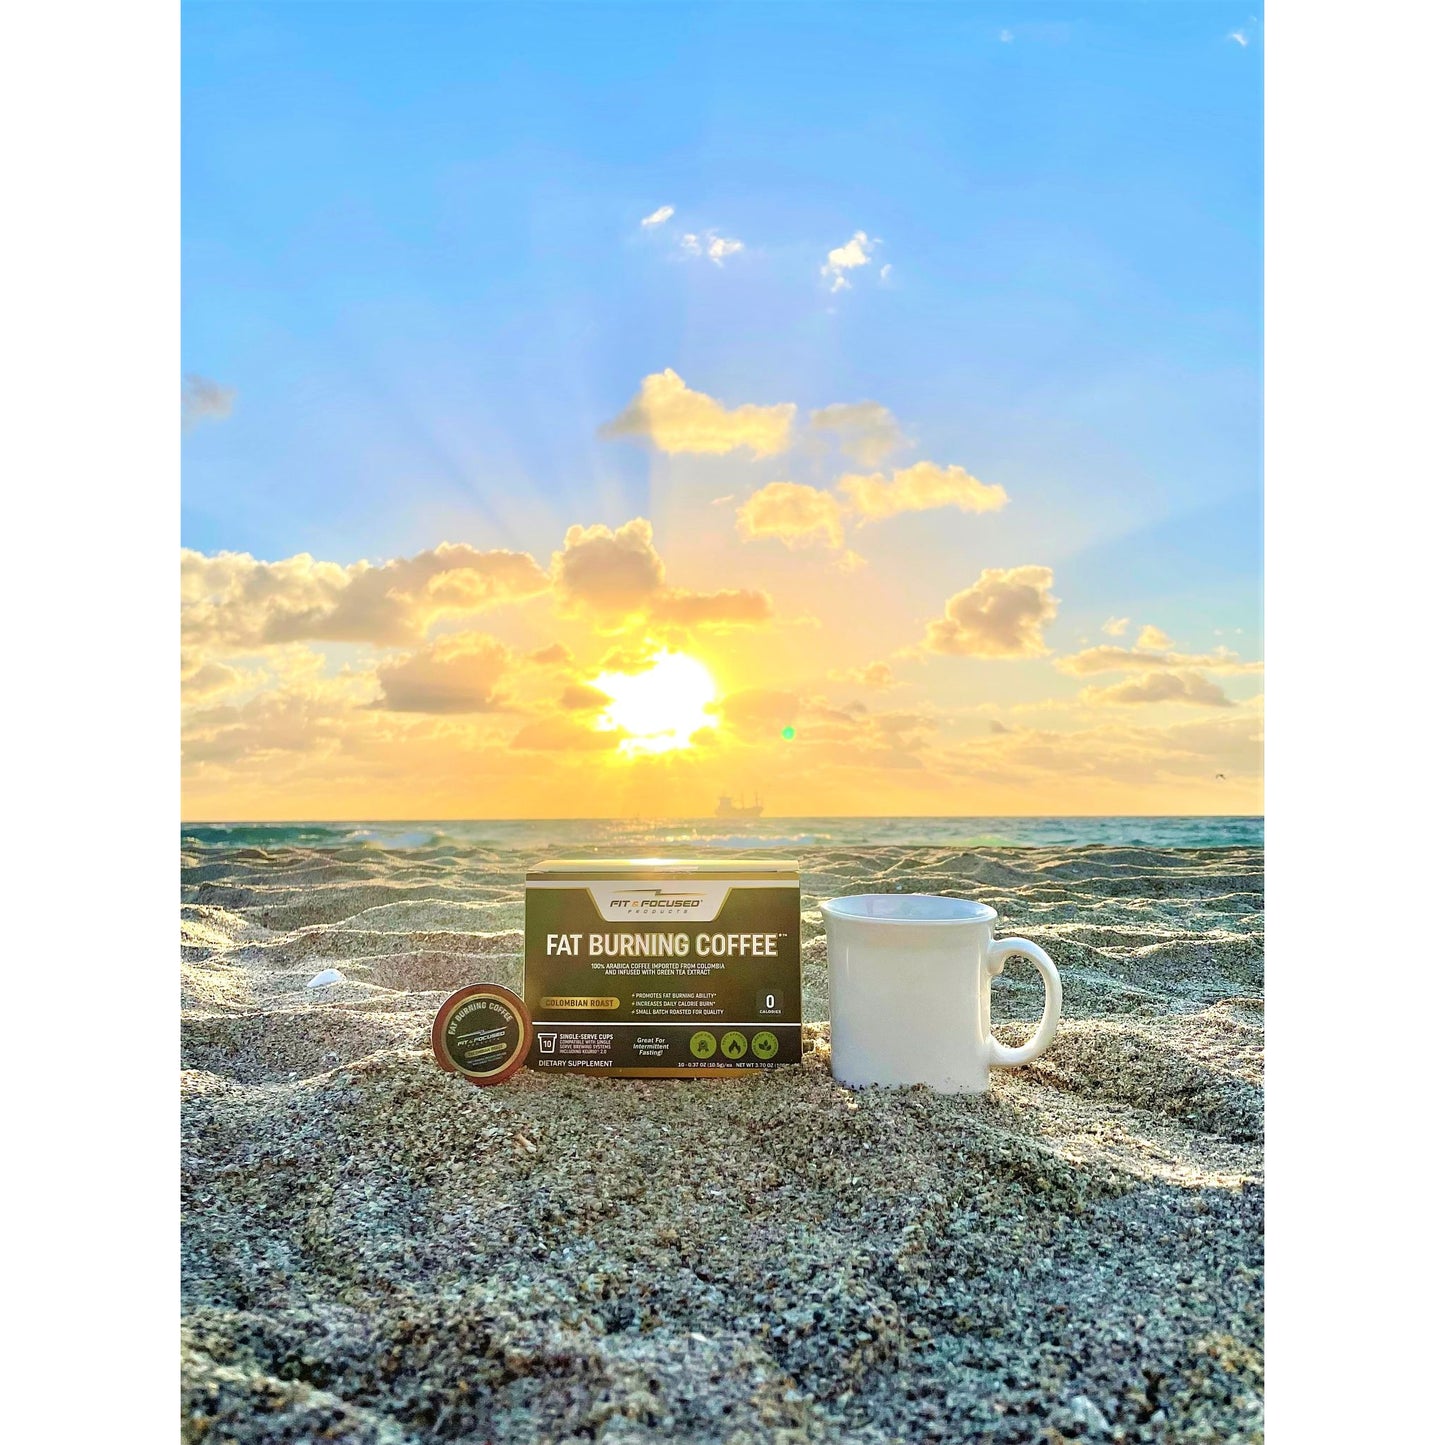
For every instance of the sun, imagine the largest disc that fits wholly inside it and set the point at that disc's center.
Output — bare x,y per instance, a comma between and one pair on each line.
661,707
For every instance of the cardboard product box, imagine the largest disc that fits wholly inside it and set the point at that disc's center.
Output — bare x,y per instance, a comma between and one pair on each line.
664,968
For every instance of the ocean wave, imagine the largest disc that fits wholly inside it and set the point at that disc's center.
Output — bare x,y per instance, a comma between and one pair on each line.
654,836
390,838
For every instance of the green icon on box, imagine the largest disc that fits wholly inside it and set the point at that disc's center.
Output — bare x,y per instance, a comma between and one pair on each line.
703,1045
765,1045
734,1045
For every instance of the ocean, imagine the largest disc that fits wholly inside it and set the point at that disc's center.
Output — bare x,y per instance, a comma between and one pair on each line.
633,836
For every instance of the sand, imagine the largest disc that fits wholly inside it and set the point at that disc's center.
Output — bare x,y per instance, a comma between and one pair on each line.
375,1251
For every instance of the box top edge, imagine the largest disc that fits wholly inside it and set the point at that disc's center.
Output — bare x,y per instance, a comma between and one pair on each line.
674,865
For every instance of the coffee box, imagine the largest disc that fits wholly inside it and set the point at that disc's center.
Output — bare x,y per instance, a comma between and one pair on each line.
664,968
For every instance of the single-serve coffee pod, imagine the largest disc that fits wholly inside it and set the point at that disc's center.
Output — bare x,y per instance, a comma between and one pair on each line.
483,1033
908,984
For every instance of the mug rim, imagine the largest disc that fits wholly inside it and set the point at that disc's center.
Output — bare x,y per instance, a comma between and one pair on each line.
981,912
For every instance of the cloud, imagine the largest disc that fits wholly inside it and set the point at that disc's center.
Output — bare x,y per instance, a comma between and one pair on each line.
456,674
205,400
919,488
618,577
555,654
202,680
1088,762
613,574
849,737
741,607
759,711
1115,627
1186,687
317,742
301,719
318,745
232,601
1093,660
856,251
1002,615
675,419
866,430
580,697
1243,36
800,515
716,248
1154,639
877,675
563,735
631,659
796,514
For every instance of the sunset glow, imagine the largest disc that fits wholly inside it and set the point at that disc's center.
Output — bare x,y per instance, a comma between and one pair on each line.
537,467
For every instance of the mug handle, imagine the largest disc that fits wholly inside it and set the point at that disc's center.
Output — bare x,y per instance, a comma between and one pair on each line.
1000,950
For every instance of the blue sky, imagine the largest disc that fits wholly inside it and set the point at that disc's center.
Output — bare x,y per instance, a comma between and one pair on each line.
412,248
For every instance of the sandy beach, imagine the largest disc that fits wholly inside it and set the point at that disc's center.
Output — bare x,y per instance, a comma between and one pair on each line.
375,1251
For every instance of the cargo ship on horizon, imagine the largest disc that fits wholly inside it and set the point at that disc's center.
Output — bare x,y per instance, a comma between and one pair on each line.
726,808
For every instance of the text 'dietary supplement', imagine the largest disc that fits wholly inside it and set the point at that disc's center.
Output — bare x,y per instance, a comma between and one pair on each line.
661,967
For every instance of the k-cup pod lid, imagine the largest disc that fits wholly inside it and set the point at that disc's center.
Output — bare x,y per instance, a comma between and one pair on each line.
483,1033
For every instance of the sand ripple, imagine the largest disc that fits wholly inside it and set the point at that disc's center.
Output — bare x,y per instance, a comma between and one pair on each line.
374,1251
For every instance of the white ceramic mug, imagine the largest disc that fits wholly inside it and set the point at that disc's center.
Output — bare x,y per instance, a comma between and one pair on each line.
908,980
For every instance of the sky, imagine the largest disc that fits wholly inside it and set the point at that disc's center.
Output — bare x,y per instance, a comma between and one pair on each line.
595,410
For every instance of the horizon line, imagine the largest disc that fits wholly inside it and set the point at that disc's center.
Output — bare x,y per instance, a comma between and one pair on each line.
691,818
